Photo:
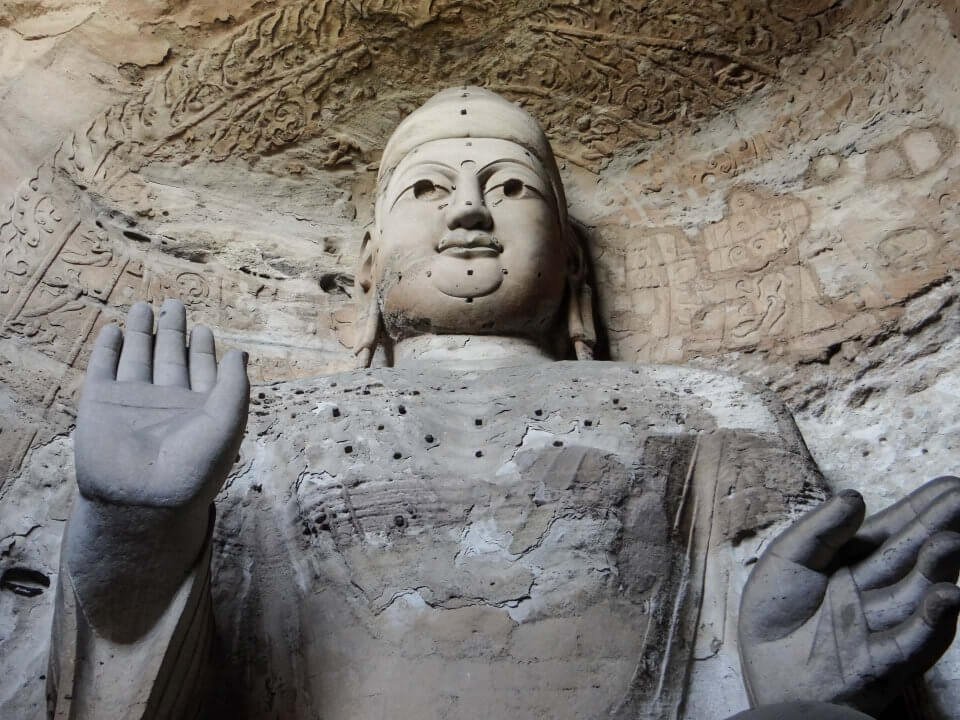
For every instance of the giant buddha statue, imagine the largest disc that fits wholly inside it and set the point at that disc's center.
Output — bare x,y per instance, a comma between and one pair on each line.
488,523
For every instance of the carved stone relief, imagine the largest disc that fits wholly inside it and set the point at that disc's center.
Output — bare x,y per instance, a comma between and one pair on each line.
769,188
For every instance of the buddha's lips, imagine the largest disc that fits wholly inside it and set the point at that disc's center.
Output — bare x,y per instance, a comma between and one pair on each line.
473,241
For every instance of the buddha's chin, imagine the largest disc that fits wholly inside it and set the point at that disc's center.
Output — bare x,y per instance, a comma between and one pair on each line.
466,278
432,312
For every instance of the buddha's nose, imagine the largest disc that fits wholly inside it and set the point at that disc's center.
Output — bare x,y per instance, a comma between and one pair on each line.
467,209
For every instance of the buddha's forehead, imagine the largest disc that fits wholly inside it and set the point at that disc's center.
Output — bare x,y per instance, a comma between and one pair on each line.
471,153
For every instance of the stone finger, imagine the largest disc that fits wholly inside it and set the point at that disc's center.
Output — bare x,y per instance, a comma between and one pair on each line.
895,558
203,359
136,356
170,347
889,521
938,561
815,538
105,354
912,647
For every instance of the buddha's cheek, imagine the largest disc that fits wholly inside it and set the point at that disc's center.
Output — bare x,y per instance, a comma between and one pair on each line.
466,278
532,286
519,309
411,305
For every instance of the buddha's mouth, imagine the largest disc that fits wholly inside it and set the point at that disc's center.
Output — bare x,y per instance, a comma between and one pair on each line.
469,245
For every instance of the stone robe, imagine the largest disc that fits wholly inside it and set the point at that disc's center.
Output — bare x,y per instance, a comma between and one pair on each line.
565,540
533,542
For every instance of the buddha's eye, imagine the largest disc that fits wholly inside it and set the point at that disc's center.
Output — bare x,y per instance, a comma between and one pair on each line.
428,190
510,189
513,188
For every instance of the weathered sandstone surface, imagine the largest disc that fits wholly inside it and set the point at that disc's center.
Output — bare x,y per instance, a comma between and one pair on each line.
769,189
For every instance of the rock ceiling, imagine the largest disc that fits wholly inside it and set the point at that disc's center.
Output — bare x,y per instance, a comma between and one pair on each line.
601,76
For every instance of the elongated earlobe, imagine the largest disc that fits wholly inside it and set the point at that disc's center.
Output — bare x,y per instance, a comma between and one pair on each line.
368,315
580,320
580,326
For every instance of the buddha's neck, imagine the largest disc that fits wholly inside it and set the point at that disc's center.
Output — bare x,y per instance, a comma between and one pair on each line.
468,351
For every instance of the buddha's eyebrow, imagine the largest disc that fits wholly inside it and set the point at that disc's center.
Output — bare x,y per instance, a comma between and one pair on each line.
402,177
512,161
432,165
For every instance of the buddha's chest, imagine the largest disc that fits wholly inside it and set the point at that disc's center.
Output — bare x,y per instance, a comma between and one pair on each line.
470,494
530,544
534,589
555,522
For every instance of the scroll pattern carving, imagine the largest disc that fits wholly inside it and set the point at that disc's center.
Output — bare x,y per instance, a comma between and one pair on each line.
600,77
313,75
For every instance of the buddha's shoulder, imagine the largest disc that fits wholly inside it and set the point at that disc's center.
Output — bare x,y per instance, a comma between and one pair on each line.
665,398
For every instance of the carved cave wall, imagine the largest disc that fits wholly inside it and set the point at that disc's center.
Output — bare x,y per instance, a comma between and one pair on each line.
769,188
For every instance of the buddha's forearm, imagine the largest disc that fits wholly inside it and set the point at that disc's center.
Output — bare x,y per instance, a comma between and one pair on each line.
126,563
801,711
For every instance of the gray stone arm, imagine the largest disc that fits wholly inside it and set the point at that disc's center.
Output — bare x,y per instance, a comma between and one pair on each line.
127,563
161,673
158,429
801,711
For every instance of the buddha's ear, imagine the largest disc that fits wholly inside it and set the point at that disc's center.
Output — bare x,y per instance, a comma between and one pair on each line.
580,326
368,307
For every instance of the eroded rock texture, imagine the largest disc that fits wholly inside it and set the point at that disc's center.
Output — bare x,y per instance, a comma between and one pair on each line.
768,188
546,542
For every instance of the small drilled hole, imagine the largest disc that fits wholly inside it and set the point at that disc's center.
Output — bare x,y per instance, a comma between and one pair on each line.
478,453
348,449
336,412
402,410
538,413
478,422
469,272
397,456
428,438
558,443
463,111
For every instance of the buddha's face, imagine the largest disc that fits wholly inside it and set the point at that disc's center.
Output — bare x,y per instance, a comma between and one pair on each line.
469,242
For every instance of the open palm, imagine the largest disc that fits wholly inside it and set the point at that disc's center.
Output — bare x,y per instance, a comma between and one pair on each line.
847,611
159,425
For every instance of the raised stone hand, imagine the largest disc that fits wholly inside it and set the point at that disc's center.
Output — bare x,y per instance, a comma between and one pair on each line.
157,425
157,431
846,611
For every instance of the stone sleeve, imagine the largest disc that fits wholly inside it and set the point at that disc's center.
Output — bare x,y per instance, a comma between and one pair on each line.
160,676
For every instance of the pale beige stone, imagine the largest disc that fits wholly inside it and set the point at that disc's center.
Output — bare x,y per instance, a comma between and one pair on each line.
852,319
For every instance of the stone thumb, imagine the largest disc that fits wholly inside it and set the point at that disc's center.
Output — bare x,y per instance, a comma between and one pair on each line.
814,539
230,397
